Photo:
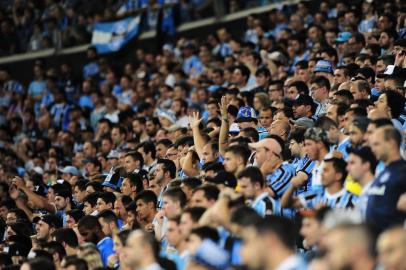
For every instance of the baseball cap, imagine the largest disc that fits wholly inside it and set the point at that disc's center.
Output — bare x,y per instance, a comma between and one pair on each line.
212,256
113,154
246,114
343,37
393,71
71,170
316,134
268,143
324,66
167,115
305,122
234,129
52,220
223,177
38,170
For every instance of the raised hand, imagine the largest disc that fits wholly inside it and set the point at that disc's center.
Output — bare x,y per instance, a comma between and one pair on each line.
223,107
194,120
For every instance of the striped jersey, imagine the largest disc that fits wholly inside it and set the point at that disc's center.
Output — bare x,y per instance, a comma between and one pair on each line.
264,205
305,165
279,180
341,199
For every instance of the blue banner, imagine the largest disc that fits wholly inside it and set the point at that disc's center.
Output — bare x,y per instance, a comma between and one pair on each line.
113,36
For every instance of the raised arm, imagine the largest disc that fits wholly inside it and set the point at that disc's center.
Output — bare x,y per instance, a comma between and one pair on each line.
39,201
198,139
223,141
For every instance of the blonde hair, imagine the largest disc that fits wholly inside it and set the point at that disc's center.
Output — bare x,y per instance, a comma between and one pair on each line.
91,255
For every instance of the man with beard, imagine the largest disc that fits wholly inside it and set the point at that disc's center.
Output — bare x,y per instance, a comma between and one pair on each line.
165,171
139,130
151,126
179,108
91,231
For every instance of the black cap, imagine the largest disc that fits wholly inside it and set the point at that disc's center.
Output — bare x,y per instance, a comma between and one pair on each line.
304,100
223,177
52,220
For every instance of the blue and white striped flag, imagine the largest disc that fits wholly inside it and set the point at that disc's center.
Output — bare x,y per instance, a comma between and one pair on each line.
112,36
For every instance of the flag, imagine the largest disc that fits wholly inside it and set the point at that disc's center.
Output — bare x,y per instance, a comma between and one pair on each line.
113,36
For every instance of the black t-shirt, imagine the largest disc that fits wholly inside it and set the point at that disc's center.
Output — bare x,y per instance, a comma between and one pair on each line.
384,194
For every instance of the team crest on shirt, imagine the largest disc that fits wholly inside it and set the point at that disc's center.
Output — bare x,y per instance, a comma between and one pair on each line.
384,178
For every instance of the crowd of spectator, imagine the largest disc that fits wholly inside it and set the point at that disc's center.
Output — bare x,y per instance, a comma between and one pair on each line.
279,148
28,25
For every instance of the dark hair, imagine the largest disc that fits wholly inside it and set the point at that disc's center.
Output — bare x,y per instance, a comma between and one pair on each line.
168,166
108,216
148,147
76,214
67,236
321,81
297,135
191,182
245,216
301,87
396,102
254,174
81,184
55,247
165,142
345,93
251,133
41,263
89,222
176,194
339,166
206,232
136,156
195,213
78,263
95,185
263,71
213,166
107,197
147,196
280,227
91,198
136,180
210,192
244,71
325,123
239,150
380,122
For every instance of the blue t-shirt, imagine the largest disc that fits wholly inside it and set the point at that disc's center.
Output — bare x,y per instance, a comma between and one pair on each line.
384,194
106,248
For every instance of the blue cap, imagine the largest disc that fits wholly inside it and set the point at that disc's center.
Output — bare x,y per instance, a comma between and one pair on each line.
324,66
210,255
71,170
246,114
113,180
343,37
